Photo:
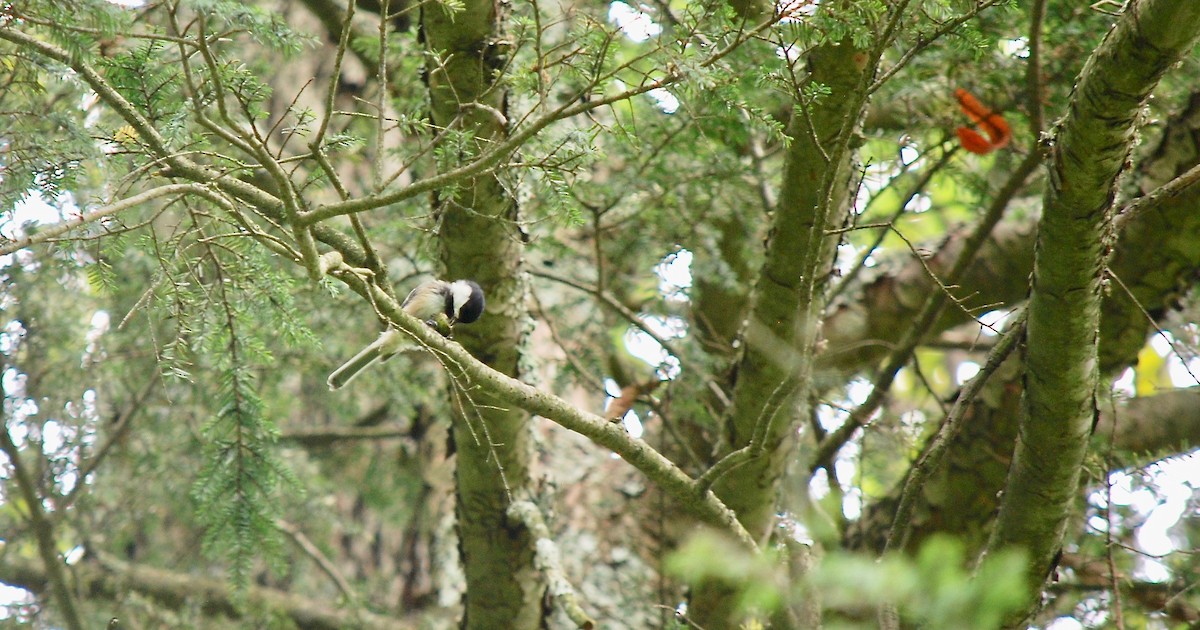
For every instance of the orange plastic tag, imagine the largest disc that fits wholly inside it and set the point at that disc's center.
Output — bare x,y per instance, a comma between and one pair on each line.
993,124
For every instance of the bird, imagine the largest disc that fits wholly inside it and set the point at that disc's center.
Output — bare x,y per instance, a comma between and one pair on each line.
460,301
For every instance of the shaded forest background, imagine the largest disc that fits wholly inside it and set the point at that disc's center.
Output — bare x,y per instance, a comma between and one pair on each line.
772,340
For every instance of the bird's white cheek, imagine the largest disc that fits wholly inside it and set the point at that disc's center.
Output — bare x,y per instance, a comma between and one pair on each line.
461,292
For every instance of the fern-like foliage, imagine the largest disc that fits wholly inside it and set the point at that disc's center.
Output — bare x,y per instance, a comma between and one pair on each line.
237,492
143,78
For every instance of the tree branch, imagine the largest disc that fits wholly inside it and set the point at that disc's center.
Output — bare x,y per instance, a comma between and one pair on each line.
108,578
177,165
312,551
934,453
492,157
1153,427
930,311
49,232
117,432
329,435
1074,238
607,299
43,530
549,562
474,374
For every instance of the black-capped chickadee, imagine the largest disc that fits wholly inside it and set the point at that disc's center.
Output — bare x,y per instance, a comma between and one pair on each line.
458,301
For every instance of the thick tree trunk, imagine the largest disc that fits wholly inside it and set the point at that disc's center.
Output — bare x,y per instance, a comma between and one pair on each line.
774,372
480,238
1062,363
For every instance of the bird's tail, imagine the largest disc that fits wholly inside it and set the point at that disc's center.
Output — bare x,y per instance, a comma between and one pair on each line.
385,346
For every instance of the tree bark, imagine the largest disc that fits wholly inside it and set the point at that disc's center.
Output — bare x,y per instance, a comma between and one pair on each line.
481,239
773,374
1074,237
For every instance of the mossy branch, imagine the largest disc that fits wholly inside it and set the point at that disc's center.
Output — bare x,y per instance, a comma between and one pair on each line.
703,504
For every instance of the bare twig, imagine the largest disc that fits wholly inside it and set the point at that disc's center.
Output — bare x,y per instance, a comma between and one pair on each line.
1157,196
322,561
868,251
613,303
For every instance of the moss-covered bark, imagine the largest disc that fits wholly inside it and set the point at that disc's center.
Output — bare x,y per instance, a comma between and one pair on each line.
480,238
1062,366
773,373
